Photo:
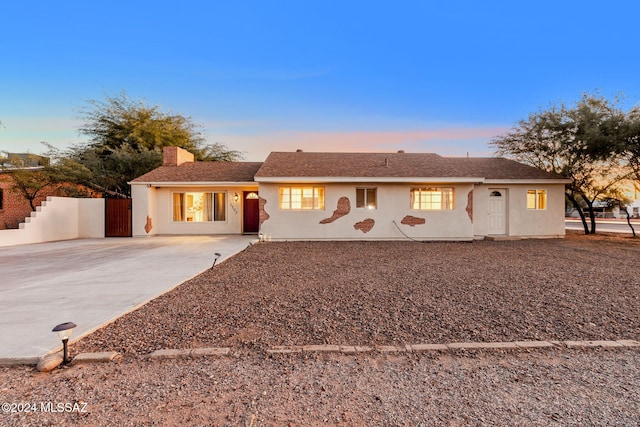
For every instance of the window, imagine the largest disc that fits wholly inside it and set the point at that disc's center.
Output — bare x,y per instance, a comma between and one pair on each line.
536,199
432,198
301,197
366,198
199,207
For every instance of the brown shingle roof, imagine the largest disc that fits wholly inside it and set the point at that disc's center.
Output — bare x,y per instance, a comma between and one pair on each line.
202,172
393,165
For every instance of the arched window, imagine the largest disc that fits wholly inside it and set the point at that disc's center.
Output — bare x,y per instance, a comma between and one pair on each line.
496,194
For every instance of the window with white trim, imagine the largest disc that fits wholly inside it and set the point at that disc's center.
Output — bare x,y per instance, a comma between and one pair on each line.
366,198
199,207
301,198
537,199
432,198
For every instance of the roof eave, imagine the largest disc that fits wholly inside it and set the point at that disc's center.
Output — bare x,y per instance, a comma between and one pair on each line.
529,181
340,179
196,183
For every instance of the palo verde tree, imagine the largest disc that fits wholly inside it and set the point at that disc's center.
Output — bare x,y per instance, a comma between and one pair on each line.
125,140
579,143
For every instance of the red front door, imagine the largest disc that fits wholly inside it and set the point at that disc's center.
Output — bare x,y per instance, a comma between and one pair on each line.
251,203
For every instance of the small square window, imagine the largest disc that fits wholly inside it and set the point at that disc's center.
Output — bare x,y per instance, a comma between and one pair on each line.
537,199
366,198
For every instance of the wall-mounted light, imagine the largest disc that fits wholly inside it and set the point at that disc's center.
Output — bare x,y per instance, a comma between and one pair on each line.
64,331
236,197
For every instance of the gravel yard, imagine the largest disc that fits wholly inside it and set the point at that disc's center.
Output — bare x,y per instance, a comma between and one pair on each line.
366,293
394,293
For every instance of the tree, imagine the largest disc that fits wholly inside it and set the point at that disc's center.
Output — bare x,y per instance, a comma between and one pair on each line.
35,182
126,139
580,143
630,147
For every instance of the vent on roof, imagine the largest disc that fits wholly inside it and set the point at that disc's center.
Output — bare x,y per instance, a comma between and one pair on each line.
386,162
400,151
299,150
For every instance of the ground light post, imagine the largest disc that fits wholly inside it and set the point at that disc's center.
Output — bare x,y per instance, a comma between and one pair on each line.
217,255
64,331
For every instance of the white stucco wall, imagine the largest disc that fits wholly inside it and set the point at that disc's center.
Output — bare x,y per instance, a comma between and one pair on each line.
59,218
157,203
141,206
393,204
520,221
91,218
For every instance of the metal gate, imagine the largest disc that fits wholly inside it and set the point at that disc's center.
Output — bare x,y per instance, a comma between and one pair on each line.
117,217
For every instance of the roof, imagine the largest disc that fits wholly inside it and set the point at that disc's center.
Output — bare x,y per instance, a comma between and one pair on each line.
350,167
192,172
395,166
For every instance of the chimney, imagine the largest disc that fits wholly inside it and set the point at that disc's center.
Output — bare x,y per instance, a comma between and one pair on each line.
175,156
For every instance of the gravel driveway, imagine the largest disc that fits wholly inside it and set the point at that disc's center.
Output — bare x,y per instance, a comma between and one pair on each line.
369,293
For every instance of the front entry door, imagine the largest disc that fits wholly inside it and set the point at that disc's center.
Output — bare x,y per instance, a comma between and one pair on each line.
498,211
251,209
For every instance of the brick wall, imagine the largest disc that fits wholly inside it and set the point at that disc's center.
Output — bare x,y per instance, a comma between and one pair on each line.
15,208
175,156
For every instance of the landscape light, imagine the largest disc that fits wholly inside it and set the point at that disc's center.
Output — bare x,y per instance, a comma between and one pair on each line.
64,331
217,254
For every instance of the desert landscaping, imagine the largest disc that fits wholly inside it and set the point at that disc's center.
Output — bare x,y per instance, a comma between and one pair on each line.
369,294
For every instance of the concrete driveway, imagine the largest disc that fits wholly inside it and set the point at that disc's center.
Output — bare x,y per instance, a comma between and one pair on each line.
92,282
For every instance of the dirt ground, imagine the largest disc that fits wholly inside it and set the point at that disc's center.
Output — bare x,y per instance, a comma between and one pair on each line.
368,293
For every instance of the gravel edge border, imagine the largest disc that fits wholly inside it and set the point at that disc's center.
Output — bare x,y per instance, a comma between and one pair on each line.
112,356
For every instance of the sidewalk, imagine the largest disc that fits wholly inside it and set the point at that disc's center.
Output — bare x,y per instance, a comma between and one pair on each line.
92,282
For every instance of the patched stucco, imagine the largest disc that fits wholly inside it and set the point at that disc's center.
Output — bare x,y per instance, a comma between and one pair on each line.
364,226
344,207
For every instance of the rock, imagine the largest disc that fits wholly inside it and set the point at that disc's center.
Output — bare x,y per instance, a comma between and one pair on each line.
49,362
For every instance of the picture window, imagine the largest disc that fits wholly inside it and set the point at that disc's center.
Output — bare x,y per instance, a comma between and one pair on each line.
199,207
432,198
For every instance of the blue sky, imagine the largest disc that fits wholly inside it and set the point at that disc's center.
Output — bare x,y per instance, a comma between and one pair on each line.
422,76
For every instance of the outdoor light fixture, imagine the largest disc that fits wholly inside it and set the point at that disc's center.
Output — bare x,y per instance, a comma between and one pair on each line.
64,331
217,254
236,197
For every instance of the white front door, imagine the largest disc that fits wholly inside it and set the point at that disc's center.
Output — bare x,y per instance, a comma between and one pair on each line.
498,211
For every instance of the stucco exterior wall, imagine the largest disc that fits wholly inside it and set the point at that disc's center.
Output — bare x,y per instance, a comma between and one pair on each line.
156,203
59,218
141,208
520,221
393,205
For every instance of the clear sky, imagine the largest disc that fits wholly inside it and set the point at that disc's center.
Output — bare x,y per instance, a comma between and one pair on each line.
424,76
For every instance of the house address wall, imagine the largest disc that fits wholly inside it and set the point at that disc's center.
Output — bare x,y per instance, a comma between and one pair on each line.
153,211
